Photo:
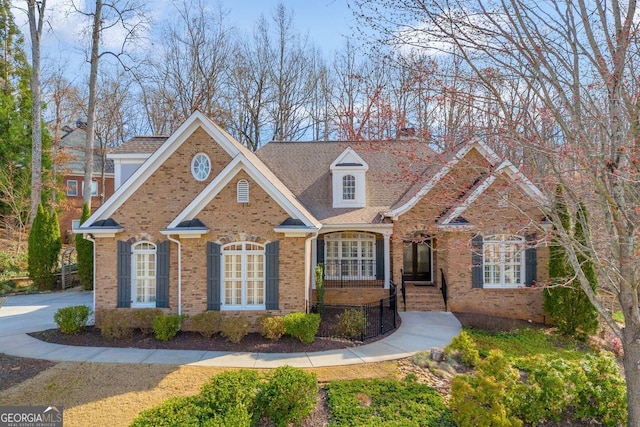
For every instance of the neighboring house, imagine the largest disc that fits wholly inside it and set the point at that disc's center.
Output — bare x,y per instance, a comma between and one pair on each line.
205,224
71,168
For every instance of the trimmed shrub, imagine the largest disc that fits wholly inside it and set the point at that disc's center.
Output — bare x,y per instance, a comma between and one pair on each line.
302,326
288,396
234,328
272,327
351,323
115,324
176,411
142,318
464,346
320,288
84,249
206,323
231,393
71,320
166,327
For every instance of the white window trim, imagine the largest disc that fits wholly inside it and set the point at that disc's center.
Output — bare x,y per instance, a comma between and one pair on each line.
73,193
340,238
134,252
348,182
94,188
243,269
194,172
504,240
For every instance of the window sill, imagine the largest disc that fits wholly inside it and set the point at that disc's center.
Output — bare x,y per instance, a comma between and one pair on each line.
243,307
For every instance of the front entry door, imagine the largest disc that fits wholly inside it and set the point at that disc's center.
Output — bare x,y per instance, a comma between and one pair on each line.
417,261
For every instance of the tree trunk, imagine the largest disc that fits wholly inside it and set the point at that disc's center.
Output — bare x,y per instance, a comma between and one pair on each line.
35,29
91,110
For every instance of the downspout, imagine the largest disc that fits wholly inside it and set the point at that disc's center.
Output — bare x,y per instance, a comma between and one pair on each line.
92,240
309,263
179,272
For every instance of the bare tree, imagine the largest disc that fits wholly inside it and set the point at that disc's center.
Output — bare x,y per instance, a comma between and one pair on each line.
572,69
35,12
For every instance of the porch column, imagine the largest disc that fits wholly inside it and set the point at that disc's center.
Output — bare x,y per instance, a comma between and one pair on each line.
387,259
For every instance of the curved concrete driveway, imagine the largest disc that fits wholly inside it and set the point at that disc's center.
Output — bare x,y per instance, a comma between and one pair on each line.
30,313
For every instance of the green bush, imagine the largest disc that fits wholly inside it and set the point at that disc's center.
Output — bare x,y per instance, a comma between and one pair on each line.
44,246
166,327
482,399
142,318
177,411
206,323
115,324
71,320
234,328
272,327
386,402
232,394
84,249
600,391
351,323
288,396
464,346
320,290
302,326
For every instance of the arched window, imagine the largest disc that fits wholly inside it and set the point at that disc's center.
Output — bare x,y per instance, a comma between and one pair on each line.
243,276
503,261
348,187
242,190
143,274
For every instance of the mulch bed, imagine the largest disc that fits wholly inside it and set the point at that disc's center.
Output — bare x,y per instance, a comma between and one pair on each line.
253,342
14,370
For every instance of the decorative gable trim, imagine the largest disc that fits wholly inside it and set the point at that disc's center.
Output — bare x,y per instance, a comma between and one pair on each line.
348,177
286,201
148,168
480,146
505,168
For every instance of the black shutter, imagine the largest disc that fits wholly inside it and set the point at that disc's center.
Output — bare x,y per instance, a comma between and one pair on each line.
477,257
531,260
272,261
163,261
124,274
379,258
213,276
320,251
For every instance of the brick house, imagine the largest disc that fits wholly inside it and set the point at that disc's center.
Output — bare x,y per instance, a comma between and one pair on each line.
70,154
206,224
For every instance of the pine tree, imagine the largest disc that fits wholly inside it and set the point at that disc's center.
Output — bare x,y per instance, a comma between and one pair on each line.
84,249
565,301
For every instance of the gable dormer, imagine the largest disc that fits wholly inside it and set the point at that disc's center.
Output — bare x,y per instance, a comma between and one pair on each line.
348,172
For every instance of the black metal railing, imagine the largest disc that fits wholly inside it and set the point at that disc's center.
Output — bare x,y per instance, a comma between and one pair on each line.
351,274
443,288
357,322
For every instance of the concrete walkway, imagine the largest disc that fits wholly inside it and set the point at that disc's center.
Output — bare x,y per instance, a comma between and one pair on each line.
30,313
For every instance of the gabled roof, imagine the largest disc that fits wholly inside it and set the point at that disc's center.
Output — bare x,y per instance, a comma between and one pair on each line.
429,180
138,146
240,154
505,168
305,168
349,159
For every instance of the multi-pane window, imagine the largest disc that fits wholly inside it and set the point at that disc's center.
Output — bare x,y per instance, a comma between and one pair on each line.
243,276
200,166
503,261
144,274
350,255
348,187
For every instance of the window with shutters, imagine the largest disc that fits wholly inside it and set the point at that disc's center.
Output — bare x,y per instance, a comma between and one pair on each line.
243,276
503,263
143,274
242,191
